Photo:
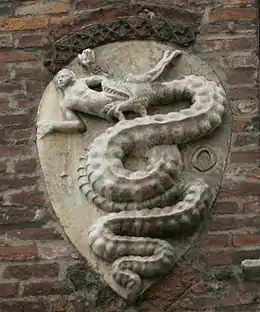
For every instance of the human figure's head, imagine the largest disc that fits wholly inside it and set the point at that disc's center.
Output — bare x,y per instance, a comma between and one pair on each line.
64,78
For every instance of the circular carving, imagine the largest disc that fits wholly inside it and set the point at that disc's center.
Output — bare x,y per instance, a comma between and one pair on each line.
128,28
204,159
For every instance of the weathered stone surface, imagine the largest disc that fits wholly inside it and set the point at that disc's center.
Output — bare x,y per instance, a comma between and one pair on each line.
59,152
251,269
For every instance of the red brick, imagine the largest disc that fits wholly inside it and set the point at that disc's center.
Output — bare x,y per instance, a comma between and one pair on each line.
55,250
4,106
28,70
20,136
42,8
9,87
240,189
27,41
240,171
19,56
226,207
232,299
8,289
47,288
16,183
224,301
25,103
200,303
198,287
224,27
9,130
240,240
60,19
5,74
246,139
238,1
15,215
34,86
20,306
23,24
171,287
242,93
249,157
10,150
223,223
22,96
15,119
232,222
246,124
54,8
213,29
241,75
244,60
3,166
82,4
244,108
110,13
230,256
145,306
214,240
252,207
18,252
17,135
25,166
6,139
27,197
27,271
68,24
237,44
34,234
232,14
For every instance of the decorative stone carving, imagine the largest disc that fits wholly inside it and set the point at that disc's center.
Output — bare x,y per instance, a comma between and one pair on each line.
203,159
87,57
143,26
145,199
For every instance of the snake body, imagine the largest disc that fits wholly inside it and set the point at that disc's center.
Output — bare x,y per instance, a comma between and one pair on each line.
151,203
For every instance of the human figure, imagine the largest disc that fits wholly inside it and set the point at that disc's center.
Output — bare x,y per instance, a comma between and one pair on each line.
114,98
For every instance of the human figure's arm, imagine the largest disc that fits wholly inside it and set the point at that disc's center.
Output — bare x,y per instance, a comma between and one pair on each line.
158,69
71,124
94,81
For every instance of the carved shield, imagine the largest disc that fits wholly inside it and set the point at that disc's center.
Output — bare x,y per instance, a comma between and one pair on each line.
131,243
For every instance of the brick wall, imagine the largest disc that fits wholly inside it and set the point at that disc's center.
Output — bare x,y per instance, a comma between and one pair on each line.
39,269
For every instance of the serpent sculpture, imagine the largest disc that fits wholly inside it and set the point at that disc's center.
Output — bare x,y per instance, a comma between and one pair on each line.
153,202
140,202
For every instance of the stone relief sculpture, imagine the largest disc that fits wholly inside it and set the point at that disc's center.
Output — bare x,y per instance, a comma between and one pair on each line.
144,205
115,98
146,25
87,57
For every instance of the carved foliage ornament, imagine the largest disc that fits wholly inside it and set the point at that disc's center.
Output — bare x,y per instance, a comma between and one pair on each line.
127,193
142,27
